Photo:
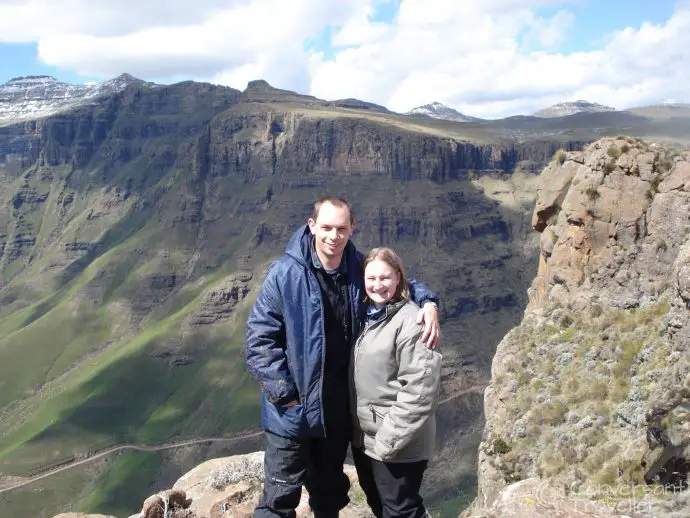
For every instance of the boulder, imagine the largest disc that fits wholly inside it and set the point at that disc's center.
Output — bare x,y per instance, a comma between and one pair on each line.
231,486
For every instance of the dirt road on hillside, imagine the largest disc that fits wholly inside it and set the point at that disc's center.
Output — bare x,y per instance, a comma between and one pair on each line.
14,484
135,447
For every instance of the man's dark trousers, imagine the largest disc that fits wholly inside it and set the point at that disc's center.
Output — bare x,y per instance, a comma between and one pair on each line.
391,488
316,463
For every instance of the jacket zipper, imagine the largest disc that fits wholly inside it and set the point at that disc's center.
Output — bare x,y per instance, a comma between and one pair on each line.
358,346
323,349
366,328
375,414
354,376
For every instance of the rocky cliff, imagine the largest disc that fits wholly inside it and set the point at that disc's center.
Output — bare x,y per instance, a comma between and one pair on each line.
590,393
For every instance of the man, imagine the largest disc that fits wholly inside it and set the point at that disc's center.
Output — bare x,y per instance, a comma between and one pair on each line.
299,336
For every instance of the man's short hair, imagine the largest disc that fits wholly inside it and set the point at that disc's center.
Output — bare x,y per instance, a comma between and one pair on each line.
336,201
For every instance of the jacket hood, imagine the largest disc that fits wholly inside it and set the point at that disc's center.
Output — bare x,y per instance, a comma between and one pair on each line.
299,247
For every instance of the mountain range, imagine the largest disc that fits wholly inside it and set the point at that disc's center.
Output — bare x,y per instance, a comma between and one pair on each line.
25,98
136,225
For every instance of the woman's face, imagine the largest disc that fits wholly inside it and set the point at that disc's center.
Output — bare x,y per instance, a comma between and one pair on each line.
380,281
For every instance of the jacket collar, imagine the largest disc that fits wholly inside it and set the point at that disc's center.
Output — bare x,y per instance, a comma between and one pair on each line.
316,262
384,313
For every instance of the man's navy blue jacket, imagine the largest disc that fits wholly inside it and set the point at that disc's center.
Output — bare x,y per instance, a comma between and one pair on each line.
285,347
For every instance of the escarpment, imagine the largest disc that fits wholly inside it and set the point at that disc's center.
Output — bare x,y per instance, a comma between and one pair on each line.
590,393
135,231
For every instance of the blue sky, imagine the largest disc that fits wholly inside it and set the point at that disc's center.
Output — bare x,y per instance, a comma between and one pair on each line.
21,59
595,19
488,58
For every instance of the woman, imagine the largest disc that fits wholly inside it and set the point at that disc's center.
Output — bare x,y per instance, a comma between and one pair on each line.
394,386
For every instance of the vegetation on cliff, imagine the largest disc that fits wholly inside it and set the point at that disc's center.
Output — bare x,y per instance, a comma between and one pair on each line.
591,391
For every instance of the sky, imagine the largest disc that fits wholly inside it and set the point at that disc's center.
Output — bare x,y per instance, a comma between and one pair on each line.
485,58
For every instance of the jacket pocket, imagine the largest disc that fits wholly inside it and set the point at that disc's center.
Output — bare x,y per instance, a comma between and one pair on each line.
376,414
371,418
294,410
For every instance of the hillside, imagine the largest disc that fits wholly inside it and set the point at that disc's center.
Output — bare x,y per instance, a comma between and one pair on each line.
135,230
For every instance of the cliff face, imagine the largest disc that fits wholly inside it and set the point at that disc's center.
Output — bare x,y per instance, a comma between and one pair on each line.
591,391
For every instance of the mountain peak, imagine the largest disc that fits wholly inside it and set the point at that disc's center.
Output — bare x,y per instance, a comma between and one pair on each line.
123,81
31,80
127,78
259,90
32,97
259,84
437,110
572,107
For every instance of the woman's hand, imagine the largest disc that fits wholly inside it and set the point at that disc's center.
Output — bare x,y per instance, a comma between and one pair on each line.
428,315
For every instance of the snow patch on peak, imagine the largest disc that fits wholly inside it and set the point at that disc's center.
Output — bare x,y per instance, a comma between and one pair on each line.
32,97
571,108
439,110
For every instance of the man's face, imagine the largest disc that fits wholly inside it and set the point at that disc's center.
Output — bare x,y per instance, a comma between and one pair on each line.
331,230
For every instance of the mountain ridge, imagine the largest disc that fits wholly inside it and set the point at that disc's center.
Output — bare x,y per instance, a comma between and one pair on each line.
32,97
37,96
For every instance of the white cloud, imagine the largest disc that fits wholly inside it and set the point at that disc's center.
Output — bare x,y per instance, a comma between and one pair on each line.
201,39
491,58
498,58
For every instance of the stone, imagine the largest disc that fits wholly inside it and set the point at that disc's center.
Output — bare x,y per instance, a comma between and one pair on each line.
231,486
534,498
645,164
153,507
679,179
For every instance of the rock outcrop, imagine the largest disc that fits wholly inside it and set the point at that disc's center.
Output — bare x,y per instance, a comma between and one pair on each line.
591,392
232,486
220,301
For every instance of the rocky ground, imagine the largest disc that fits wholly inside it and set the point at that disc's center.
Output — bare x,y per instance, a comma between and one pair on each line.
225,487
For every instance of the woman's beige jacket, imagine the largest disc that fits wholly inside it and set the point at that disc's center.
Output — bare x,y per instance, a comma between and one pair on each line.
394,387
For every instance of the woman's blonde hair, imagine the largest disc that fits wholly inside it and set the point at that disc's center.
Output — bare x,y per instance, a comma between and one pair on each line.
388,256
